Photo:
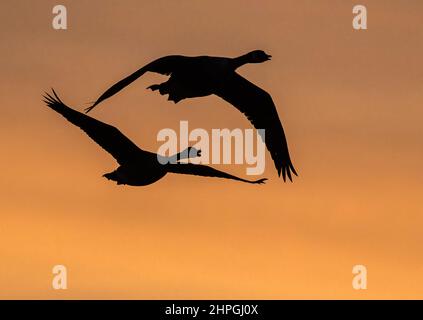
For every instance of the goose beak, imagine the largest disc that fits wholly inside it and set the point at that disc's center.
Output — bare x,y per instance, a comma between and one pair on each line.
269,57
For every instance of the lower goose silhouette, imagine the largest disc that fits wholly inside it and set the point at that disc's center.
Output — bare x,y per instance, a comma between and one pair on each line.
137,167
204,75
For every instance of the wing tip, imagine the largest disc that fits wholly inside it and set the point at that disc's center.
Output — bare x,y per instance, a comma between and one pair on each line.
260,181
86,110
287,171
49,100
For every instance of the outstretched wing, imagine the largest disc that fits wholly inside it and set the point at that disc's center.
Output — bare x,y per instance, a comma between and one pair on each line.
205,171
259,108
165,65
107,136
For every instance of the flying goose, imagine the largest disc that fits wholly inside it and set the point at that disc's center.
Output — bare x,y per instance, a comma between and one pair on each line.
137,167
202,76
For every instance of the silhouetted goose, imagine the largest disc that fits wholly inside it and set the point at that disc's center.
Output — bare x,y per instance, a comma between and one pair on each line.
204,75
137,167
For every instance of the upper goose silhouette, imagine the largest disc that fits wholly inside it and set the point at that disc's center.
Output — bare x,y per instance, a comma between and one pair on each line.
202,76
137,167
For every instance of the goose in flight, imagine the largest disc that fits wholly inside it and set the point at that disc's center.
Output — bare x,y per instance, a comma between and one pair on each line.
137,167
202,76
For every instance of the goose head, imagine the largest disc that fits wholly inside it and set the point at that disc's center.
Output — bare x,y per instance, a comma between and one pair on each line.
189,152
258,56
193,152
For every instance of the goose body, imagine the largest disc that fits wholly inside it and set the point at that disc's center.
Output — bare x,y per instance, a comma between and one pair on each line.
194,76
202,76
137,167
133,174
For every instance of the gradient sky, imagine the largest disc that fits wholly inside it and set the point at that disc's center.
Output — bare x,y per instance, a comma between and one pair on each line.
350,102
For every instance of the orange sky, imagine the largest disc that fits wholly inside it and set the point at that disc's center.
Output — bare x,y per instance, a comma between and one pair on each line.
350,102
